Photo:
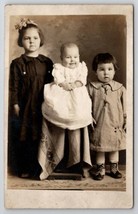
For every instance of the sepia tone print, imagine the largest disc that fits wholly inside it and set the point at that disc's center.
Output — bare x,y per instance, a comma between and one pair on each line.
49,156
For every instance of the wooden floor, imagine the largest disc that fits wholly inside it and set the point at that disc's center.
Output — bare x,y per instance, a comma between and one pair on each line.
87,183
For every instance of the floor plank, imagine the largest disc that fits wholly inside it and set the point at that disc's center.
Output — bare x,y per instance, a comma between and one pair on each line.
87,183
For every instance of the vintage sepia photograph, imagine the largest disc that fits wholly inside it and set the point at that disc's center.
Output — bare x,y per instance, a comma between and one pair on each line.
68,106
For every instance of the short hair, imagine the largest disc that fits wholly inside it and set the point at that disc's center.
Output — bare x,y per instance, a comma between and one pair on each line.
104,58
67,45
22,31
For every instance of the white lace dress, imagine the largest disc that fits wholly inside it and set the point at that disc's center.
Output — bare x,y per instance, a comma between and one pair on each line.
67,109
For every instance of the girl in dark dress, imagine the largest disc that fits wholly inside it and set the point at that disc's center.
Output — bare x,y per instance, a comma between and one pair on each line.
28,74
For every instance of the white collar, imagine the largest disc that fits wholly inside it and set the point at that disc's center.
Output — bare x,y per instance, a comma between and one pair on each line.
113,84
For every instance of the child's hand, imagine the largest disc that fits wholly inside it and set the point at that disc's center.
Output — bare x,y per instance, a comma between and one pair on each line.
66,86
93,123
16,109
70,86
76,84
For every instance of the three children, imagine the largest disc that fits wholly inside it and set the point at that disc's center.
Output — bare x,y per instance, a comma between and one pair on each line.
67,108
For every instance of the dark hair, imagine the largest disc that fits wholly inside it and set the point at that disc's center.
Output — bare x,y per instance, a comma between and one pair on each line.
22,31
104,58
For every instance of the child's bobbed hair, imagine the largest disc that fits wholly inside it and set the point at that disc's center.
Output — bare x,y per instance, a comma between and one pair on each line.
104,58
23,26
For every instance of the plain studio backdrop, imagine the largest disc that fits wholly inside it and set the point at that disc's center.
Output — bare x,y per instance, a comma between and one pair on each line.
92,33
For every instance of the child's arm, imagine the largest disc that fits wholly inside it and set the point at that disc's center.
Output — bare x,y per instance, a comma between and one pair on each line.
14,87
66,86
93,124
59,77
76,84
83,74
70,86
58,73
82,77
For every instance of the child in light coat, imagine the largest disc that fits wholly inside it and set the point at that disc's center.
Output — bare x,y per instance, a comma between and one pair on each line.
109,111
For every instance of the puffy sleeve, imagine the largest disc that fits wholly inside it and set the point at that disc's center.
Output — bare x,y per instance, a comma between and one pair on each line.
83,72
14,83
58,73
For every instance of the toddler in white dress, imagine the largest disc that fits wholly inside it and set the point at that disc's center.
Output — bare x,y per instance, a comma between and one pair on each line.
67,103
66,114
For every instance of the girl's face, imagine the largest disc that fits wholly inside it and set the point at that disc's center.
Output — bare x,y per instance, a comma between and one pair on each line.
105,72
31,40
70,57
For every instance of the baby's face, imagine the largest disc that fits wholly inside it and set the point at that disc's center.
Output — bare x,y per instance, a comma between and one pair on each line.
70,57
105,72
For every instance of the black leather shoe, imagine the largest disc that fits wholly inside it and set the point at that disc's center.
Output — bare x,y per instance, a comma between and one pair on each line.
116,175
98,177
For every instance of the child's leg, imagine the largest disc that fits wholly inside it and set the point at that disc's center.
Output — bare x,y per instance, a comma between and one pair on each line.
22,159
100,158
114,159
100,166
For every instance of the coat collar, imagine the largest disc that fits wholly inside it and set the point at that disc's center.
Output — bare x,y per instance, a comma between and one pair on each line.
40,57
113,84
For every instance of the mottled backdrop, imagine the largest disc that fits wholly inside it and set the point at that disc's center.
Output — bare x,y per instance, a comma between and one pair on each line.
92,33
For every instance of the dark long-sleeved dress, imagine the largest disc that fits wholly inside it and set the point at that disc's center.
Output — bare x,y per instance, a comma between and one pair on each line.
27,78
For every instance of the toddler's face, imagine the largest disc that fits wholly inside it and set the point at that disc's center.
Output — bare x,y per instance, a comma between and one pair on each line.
31,40
70,57
105,72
